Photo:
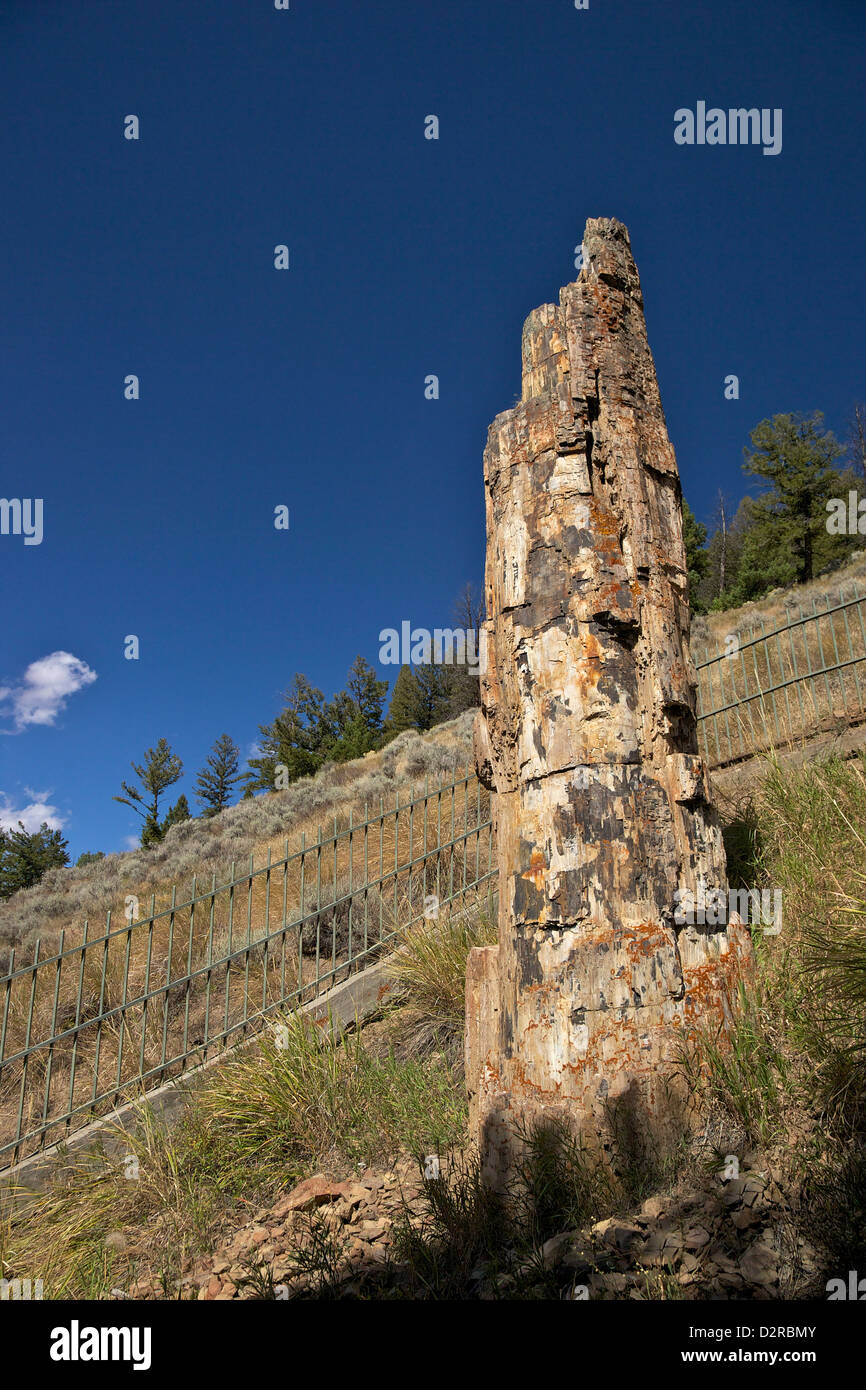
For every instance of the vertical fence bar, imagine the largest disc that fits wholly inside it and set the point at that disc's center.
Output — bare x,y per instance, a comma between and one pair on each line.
146,1002
424,870
860,606
303,911
247,948
125,995
285,923
229,954
333,971
47,1093
350,956
396,857
168,962
771,683
267,932
209,976
823,659
840,671
7,1001
20,1123
318,903
465,841
188,987
411,851
381,866
795,671
439,842
853,668
716,708
366,876
746,697
99,1018
74,1058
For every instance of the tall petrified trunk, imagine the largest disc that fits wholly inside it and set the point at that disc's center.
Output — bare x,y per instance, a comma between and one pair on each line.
587,733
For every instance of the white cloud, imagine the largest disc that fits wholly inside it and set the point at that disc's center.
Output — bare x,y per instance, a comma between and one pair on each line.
37,810
46,686
132,842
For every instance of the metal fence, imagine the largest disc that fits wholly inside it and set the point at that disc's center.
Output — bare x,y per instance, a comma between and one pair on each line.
771,689
109,1015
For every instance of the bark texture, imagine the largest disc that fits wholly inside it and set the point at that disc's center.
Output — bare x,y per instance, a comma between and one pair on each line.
587,733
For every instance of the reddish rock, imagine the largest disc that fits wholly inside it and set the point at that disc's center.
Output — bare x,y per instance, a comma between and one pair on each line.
316,1191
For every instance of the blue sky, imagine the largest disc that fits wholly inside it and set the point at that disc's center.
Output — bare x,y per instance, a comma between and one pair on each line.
408,257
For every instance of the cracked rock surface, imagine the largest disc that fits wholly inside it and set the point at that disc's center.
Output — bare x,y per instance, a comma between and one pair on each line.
587,732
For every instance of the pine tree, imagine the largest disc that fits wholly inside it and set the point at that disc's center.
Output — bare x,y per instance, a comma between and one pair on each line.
178,812
294,741
857,441
352,721
215,783
161,769
697,559
88,858
406,710
26,856
436,692
788,538
462,684
367,694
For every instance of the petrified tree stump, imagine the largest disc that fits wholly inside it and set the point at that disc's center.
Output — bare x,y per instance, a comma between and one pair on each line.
587,733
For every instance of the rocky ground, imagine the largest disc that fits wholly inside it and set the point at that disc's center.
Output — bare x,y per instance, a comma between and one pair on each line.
733,1239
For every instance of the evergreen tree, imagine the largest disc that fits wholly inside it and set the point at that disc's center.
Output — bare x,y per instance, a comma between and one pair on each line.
178,812
367,694
293,741
697,559
437,689
463,686
87,858
352,722
160,770
406,710
857,442
788,539
26,856
726,550
215,783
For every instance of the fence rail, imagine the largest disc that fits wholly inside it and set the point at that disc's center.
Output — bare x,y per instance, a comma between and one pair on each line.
146,1001
781,686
